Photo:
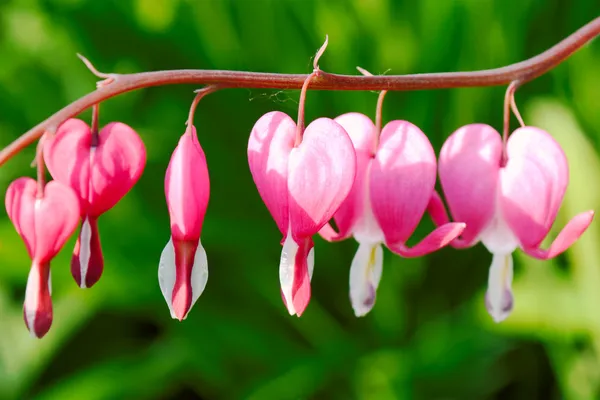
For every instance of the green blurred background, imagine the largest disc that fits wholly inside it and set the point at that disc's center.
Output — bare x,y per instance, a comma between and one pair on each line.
428,337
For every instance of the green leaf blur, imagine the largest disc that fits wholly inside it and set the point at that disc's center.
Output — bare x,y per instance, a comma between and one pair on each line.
428,337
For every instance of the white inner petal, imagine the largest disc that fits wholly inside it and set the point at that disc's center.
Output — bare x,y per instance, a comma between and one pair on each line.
85,238
499,299
166,274
286,270
366,228
199,273
365,274
497,237
32,298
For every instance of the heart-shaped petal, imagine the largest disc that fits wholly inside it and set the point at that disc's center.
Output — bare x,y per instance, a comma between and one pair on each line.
469,166
101,175
402,179
269,147
533,184
45,223
321,173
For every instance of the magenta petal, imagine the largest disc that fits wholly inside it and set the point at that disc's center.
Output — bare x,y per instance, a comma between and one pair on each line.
269,147
402,178
321,173
533,184
567,236
67,157
437,239
101,175
44,223
187,188
469,166
439,216
361,130
116,165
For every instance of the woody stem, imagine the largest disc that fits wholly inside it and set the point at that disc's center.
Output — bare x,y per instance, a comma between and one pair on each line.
41,168
523,71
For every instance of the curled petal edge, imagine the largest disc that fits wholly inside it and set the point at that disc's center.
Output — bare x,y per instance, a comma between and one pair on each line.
567,236
439,216
328,233
437,239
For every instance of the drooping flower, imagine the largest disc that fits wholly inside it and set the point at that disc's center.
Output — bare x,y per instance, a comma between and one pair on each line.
302,185
395,179
44,222
507,202
183,269
101,169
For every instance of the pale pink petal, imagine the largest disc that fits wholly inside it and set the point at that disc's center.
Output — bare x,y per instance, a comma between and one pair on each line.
187,188
402,178
295,272
365,274
87,262
116,164
37,307
437,239
469,166
362,132
321,173
533,184
269,147
182,275
567,236
439,216
67,157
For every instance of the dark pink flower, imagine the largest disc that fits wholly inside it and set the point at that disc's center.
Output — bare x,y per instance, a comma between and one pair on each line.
44,222
101,171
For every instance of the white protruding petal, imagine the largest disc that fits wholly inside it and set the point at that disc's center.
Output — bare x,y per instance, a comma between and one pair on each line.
311,262
499,297
286,270
85,252
199,273
32,298
167,274
365,274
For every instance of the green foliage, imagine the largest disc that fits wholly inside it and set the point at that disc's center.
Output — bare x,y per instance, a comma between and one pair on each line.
428,336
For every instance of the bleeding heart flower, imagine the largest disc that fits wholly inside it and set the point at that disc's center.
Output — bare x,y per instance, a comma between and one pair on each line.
45,223
101,170
183,269
394,182
507,204
302,186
